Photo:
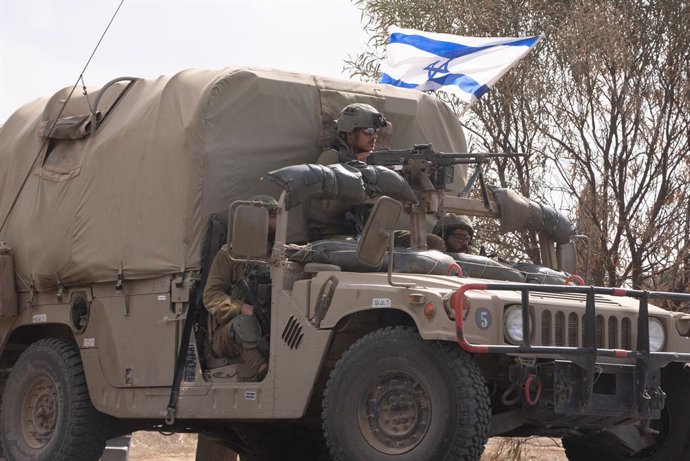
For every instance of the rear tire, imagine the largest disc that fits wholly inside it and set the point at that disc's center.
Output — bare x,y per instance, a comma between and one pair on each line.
46,412
395,396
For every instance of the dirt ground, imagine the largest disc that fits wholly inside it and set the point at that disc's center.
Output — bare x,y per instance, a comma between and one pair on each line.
152,446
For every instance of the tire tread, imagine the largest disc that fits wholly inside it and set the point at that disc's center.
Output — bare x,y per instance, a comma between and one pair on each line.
84,439
462,369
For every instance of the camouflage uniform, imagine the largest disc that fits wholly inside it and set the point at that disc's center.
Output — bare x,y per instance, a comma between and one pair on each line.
237,333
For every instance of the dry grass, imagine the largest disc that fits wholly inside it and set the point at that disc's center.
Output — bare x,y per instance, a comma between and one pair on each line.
153,446
523,449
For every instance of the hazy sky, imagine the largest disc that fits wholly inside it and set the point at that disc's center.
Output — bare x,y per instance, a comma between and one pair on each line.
44,44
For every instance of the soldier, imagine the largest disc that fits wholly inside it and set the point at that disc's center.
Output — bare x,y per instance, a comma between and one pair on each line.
238,331
357,129
456,231
356,132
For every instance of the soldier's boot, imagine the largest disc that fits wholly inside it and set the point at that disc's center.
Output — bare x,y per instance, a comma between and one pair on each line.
247,334
256,361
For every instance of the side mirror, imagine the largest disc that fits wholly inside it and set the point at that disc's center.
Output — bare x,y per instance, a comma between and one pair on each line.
377,231
567,257
248,231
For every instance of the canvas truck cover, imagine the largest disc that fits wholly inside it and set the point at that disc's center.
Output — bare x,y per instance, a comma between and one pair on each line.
135,195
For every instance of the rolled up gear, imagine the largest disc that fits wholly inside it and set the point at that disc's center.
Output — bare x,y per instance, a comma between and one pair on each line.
302,182
482,267
343,254
519,213
535,273
379,180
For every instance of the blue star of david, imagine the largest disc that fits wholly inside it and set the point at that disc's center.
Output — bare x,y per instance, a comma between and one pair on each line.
433,69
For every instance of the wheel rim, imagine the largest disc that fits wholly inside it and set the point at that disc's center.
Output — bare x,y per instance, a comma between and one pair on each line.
394,413
39,412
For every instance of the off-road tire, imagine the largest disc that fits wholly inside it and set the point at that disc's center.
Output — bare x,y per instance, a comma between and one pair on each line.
674,426
395,396
46,412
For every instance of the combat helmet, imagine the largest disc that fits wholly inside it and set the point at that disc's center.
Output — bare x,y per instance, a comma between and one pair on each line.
359,115
451,221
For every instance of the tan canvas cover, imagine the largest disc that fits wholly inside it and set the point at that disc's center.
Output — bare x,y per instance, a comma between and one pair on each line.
136,195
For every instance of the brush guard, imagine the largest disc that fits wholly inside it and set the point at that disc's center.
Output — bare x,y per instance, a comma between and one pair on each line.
646,364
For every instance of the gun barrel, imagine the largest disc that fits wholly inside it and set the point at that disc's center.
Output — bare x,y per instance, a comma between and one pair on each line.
426,152
481,154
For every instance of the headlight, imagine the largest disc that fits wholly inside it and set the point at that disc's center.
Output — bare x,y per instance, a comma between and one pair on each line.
657,336
512,321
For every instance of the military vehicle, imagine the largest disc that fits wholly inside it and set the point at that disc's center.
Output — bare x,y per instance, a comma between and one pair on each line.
113,204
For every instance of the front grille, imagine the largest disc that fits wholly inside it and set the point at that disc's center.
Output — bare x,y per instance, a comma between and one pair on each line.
599,300
567,329
626,334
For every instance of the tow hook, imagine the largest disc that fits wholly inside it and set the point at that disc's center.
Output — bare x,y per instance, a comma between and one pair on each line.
657,398
533,388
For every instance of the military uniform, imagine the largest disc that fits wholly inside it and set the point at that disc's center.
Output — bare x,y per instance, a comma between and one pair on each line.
237,333
338,153
330,219
317,211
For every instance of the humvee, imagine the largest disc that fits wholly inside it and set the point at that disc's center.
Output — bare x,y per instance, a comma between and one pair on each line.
113,204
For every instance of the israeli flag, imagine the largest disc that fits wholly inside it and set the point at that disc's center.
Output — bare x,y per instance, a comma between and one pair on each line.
463,66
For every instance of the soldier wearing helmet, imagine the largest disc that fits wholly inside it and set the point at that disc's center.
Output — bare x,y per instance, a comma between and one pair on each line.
456,232
356,132
237,329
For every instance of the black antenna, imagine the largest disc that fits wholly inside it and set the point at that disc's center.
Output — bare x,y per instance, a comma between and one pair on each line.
62,109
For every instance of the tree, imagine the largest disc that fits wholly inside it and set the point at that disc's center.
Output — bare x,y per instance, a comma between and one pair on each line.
602,107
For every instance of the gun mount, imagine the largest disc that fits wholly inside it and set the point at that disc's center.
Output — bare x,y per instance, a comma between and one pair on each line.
429,172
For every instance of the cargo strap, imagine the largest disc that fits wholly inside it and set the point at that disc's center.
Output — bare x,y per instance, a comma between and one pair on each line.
182,355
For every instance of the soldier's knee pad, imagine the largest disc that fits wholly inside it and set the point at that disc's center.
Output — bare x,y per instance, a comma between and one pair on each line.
247,330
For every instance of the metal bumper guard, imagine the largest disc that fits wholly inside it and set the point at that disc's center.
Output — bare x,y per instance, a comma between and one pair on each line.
645,361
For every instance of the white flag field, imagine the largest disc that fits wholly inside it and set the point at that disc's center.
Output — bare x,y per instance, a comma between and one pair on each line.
463,66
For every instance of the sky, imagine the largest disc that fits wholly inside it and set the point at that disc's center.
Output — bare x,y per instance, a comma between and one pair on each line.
45,44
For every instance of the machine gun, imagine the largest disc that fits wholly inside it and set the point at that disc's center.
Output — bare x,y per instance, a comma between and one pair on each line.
426,152
422,161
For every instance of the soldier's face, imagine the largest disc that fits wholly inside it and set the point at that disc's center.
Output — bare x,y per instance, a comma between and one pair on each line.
363,142
459,241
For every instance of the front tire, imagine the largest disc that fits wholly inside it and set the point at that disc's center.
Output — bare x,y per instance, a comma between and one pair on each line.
673,440
46,412
208,449
395,396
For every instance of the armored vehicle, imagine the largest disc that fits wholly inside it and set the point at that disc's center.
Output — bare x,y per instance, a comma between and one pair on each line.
114,203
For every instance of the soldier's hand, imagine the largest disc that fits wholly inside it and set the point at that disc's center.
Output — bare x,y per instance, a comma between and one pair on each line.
247,309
